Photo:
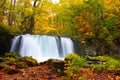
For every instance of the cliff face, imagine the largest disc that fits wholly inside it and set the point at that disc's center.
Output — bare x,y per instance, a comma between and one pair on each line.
5,41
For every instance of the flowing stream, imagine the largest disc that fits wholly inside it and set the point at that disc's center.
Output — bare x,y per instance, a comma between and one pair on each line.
43,47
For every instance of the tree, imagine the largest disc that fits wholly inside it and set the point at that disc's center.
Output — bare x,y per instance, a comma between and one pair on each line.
93,22
2,3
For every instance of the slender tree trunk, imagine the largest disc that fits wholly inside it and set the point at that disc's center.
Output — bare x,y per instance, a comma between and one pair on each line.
29,30
11,14
3,2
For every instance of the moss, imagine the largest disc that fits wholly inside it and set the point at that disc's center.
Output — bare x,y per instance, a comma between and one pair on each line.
29,60
4,66
21,65
98,67
11,56
99,58
113,65
73,65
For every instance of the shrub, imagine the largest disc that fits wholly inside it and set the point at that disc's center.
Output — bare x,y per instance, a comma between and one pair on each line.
73,64
112,64
98,67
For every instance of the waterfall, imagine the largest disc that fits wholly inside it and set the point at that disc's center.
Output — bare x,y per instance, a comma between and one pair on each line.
15,44
43,47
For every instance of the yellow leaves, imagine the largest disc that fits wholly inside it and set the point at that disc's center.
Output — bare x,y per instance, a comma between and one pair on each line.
78,18
48,29
83,41
42,26
112,4
28,11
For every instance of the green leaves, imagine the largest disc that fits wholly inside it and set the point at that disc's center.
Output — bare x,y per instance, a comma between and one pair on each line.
73,65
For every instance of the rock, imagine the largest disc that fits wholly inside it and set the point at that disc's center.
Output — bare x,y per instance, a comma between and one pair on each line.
4,65
56,64
29,60
12,71
21,65
117,73
12,54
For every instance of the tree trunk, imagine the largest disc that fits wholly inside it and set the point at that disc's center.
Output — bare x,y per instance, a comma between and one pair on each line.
29,30
3,2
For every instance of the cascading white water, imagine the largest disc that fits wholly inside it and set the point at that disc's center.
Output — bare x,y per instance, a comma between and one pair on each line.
43,47
15,44
67,46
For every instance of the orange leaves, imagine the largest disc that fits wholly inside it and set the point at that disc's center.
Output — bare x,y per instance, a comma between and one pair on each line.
86,30
87,71
78,18
117,78
82,25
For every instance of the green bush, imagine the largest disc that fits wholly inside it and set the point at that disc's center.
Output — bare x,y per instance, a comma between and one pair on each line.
98,67
73,65
112,64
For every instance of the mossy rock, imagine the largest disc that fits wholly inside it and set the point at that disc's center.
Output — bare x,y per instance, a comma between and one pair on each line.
4,65
11,63
21,65
99,58
11,56
71,56
29,60
57,65
10,59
